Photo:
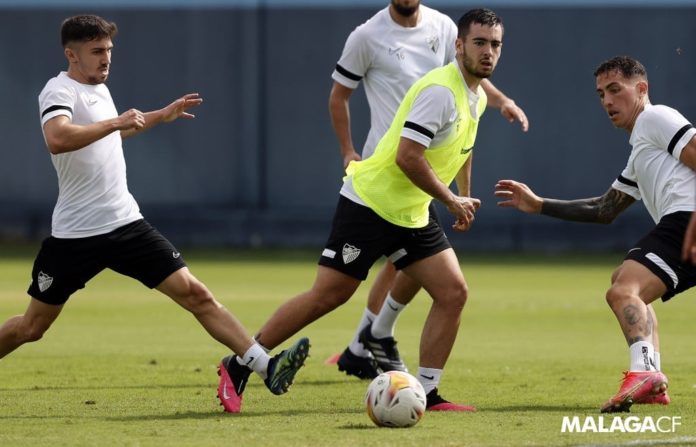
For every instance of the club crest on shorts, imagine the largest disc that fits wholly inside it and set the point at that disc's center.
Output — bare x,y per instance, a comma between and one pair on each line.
350,253
44,281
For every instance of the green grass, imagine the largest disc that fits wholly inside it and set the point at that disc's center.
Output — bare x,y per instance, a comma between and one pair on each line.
123,366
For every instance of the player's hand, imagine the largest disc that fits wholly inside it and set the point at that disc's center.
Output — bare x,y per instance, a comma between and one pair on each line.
518,195
132,119
180,107
512,112
350,156
689,247
463,208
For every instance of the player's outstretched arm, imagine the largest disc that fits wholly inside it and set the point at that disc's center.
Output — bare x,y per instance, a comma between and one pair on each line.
518,195
63,136
510,111
603,209
179,108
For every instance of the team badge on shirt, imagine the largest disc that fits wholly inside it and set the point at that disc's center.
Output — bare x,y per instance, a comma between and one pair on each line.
433,43
350,253
44,281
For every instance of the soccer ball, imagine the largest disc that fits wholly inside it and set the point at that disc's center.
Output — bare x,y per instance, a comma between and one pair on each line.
395,399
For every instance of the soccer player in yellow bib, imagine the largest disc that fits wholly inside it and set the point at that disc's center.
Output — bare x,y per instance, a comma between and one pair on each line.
387,54
428,145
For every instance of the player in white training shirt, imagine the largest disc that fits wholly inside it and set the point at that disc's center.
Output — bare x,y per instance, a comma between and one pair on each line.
661,172
388,53
97,223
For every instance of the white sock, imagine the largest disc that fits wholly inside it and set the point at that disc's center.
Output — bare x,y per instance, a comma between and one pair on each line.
429,378
383,326
642,356
257,359
658,361
355,346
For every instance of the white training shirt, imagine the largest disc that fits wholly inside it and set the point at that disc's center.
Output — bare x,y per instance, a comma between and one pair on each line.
390,58
93,196
654,172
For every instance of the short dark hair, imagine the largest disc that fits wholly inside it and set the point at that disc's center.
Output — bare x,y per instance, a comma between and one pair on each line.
482,16
625,65
84,28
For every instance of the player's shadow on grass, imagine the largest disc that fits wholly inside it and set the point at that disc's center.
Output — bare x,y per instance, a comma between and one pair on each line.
538,407
112,387
220,414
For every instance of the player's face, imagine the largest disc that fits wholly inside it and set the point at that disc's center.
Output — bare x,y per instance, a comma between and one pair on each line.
90,60
480,50
622,98
405,8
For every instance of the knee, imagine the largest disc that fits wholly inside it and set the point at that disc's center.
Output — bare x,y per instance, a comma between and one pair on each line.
330,301
31,331
455,296
199,299
615,296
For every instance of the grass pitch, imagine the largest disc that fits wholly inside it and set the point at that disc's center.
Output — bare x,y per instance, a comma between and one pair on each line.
124,366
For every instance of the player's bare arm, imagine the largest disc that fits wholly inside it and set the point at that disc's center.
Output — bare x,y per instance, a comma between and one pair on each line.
688,157
175,110
508,108
339,110
463,178
603,209
410,157
63,136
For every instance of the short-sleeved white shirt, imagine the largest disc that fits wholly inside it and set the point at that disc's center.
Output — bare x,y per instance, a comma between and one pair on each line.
389,58
93,196
653,172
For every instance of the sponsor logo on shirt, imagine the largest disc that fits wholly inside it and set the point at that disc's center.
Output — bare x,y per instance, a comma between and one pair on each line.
433,43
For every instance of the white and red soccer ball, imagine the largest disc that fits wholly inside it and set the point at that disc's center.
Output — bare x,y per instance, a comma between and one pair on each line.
395,399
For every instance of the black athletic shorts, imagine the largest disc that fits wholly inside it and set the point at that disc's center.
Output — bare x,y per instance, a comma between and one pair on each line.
138,250
359,237
660,251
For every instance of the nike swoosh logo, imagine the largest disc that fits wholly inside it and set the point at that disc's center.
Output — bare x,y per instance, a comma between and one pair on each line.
224,393
427,377
395,50
251,359
392,308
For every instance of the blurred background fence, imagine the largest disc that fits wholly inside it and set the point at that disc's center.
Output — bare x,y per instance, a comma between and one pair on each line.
259,166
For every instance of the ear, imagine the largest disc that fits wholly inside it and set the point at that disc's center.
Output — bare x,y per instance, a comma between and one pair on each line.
459,46
642,87
70,54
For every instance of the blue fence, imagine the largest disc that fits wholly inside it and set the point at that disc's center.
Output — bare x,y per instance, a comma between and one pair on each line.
260,166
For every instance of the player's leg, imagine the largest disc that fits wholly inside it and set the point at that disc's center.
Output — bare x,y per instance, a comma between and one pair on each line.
28,327
633,288
331,288
442,278
278,372
191,294
375,300
655,337
141,252
651,269
661,398
61,267
378,337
